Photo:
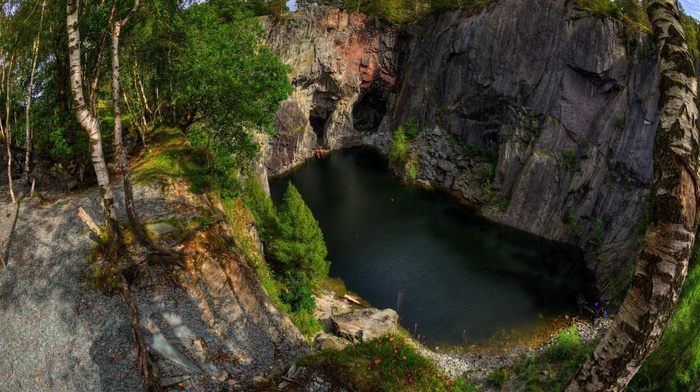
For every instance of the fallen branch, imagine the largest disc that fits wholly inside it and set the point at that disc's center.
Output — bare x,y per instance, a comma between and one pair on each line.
144,365
353,300
89,222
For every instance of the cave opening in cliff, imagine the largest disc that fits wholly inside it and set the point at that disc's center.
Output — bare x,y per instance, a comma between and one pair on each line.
318,124
369,111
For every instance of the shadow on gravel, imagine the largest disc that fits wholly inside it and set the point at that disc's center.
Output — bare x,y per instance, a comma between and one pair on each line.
58,333
6,254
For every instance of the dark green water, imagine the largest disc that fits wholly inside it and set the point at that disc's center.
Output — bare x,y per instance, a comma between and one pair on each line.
462,279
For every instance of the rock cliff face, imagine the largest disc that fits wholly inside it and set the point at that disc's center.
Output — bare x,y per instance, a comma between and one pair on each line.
536,111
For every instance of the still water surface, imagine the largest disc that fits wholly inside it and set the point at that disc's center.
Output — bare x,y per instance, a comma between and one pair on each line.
455,278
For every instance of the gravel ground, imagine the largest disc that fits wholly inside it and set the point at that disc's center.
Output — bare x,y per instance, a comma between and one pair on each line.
58,334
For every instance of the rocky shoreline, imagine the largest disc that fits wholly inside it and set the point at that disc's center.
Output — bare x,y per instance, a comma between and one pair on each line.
475,366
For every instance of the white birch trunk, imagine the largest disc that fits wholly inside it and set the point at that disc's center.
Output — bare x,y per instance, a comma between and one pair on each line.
663,262
8,134
92,127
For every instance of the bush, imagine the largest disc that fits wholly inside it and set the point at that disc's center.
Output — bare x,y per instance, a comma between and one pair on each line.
498,378
298,295
412,129
566,344
399,145
306,322
389,363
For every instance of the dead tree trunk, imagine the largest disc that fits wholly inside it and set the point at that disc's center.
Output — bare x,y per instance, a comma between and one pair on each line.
663,262
92,127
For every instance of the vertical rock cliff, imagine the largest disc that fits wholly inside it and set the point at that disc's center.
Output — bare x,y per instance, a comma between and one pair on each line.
536,111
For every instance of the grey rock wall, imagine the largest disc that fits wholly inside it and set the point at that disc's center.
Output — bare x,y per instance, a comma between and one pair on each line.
566,101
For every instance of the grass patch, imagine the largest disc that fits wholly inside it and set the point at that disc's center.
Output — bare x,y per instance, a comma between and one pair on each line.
389,363
551,370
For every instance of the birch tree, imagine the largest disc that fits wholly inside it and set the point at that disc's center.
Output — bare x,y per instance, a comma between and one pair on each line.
672,223
91,125
7,78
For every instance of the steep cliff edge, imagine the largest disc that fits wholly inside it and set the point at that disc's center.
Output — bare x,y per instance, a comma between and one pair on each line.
567,101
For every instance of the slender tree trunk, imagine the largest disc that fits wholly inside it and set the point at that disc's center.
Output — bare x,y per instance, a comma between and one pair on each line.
143,124
28,134
139,231
92,127
8,134
98,62
663,262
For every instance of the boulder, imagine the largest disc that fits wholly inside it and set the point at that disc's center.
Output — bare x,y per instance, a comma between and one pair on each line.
365,324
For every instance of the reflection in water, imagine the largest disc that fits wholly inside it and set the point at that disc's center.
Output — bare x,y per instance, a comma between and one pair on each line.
459,278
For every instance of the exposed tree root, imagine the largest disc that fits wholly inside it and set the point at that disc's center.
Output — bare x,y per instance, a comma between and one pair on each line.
144,361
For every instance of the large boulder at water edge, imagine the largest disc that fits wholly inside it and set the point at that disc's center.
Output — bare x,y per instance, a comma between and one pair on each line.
365,324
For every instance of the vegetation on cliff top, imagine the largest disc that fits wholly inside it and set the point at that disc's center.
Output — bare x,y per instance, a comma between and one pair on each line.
390,363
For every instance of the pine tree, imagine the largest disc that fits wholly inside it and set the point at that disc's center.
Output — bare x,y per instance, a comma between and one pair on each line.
300,246
264,211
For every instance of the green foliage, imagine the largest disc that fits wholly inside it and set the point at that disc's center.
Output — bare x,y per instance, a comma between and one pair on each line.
227,80
503,203
471,149
298,295
264,211
692,33
572,222
551,370
300,245
296,251
487,169
498,378
598,235
399,145
412,129
487,189
620,118
389,363
306,322
604,8
675,364
569,159
412,168
566,344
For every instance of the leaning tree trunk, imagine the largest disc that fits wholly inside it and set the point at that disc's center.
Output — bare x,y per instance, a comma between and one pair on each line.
663,262
28,135
92,127
139,232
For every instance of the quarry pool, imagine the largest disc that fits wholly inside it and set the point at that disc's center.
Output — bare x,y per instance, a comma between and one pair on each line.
453,277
